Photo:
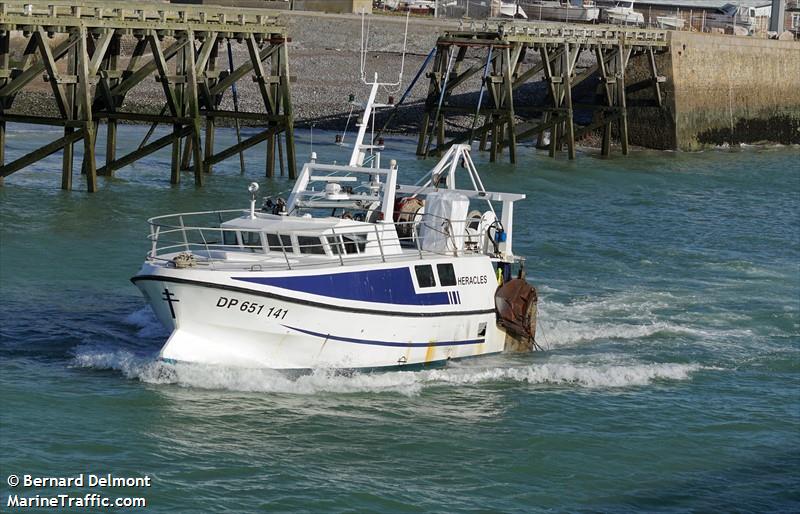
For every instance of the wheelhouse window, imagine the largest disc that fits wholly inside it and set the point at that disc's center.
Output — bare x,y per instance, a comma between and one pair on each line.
251,241
447,275
425,275
311,245
335,242
354,243
229,238
279,243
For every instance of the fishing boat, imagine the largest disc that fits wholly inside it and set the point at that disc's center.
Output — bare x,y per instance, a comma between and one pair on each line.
733,18
353,270
670,22
512,10
620,12
561,10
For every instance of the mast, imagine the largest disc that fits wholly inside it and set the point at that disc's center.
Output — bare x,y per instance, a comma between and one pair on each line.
359,148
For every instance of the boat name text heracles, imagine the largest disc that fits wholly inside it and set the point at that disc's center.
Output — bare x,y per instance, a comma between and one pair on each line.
473,280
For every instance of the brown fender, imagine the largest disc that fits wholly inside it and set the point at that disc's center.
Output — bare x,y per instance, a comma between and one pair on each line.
516,306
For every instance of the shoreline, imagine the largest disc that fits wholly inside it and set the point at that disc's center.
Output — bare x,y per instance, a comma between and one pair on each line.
324,66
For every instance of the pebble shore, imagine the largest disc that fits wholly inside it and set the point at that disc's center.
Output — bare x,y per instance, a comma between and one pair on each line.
325,63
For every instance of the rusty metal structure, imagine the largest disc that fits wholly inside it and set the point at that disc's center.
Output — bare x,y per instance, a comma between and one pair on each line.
496,121
77,47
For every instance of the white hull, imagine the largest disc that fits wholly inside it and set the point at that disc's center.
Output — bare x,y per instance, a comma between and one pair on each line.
670,22
559,13
228,322
730,23
353,271
617,17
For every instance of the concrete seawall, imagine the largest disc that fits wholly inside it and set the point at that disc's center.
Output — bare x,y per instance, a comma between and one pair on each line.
720,89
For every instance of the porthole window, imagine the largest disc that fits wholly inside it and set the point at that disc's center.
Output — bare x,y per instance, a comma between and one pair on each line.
447,275
425,275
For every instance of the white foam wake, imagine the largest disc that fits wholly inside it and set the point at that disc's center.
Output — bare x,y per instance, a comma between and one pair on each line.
565,373
145,320
562,333
581,374
624,315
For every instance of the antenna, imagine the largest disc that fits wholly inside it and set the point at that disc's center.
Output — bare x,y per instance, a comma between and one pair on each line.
253,189
365,49
359,148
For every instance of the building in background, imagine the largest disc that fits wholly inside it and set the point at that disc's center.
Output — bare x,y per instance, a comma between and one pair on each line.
333,6
247,4
329,6
791,21
745,17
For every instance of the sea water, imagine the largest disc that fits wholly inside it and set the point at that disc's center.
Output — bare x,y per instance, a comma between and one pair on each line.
669,311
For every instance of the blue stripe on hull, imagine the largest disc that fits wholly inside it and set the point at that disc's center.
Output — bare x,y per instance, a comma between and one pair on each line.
392,286
386,343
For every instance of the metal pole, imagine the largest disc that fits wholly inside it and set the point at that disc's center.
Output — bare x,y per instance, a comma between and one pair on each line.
480,96
235,107
402,98
450,58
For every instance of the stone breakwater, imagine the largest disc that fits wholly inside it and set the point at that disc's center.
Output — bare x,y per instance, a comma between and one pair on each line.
720,90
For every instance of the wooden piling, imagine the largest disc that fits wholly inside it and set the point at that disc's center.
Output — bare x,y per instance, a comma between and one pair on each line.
183,42
566,77
508,102
209,146
5,43
193,107
559,48
70,111
288,119
270,156
85,103
2,148
622,58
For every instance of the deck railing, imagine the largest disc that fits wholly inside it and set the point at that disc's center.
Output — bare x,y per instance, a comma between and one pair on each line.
184,240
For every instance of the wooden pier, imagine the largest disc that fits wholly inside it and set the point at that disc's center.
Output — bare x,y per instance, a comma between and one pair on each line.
496,117
76,46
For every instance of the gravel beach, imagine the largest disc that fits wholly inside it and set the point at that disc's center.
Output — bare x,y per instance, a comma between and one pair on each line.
324,65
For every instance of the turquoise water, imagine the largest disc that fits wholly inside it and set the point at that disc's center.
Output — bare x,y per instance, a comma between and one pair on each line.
670,308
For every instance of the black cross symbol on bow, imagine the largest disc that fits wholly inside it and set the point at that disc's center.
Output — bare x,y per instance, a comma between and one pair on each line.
168,297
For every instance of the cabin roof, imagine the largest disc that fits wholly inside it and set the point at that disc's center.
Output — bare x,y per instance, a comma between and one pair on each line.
286,224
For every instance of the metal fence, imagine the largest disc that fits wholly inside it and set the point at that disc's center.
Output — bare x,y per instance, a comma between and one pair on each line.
666,16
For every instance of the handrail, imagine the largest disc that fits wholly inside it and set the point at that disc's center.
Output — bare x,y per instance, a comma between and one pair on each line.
183,231
332,244
380,246
339,246
283,249
205,243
